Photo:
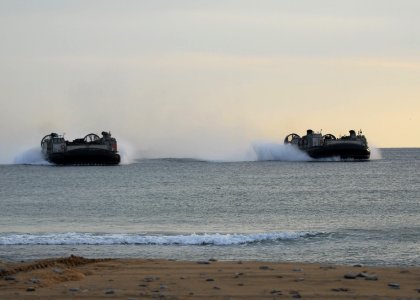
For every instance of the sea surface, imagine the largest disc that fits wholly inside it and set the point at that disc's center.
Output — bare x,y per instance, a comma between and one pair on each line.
277,207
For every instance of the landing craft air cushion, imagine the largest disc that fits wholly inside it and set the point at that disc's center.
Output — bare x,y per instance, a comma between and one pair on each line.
317,145
90,150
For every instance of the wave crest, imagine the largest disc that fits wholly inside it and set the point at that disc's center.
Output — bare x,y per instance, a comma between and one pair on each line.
74,238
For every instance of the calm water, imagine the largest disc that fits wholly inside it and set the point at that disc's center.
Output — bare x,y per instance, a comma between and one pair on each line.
309,211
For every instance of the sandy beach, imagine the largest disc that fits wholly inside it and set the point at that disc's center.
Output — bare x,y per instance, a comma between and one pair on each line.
78,277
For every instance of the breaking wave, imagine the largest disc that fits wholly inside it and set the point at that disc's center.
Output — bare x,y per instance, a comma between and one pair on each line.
74,238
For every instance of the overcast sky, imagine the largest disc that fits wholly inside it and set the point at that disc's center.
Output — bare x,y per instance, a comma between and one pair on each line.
206,78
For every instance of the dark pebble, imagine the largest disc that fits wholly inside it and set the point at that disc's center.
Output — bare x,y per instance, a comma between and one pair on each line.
265,268
340,290
212,259
150,278
30,289
327,267
295,294
9,277
35,280
297,270
216,288
75,290
350,276
209,279
109,292
371,277
358,266
57,270
394,285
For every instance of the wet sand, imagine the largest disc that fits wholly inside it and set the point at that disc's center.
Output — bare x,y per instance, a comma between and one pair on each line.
78,277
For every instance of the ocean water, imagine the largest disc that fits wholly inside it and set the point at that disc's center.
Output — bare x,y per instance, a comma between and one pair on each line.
277,206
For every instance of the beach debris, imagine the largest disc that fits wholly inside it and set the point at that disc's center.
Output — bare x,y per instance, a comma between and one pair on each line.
209,279
35,280
277,292
327,267
358,266
109,291
9,278
203,262
265,268
238,274
369,276
297,270
150,278
340,290
57,270
295,294
299,279
212,259
30,289
394,285
351,275
364,275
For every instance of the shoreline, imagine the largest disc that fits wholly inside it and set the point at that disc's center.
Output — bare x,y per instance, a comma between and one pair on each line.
70,277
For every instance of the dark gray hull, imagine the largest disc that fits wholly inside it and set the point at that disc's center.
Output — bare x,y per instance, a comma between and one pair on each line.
88,156
343,151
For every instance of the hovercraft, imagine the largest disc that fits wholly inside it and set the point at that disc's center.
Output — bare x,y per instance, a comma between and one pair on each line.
90,150
316,145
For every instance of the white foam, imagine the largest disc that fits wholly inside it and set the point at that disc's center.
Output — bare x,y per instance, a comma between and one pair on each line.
74,238
276,151
33,156
375,153
127,152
